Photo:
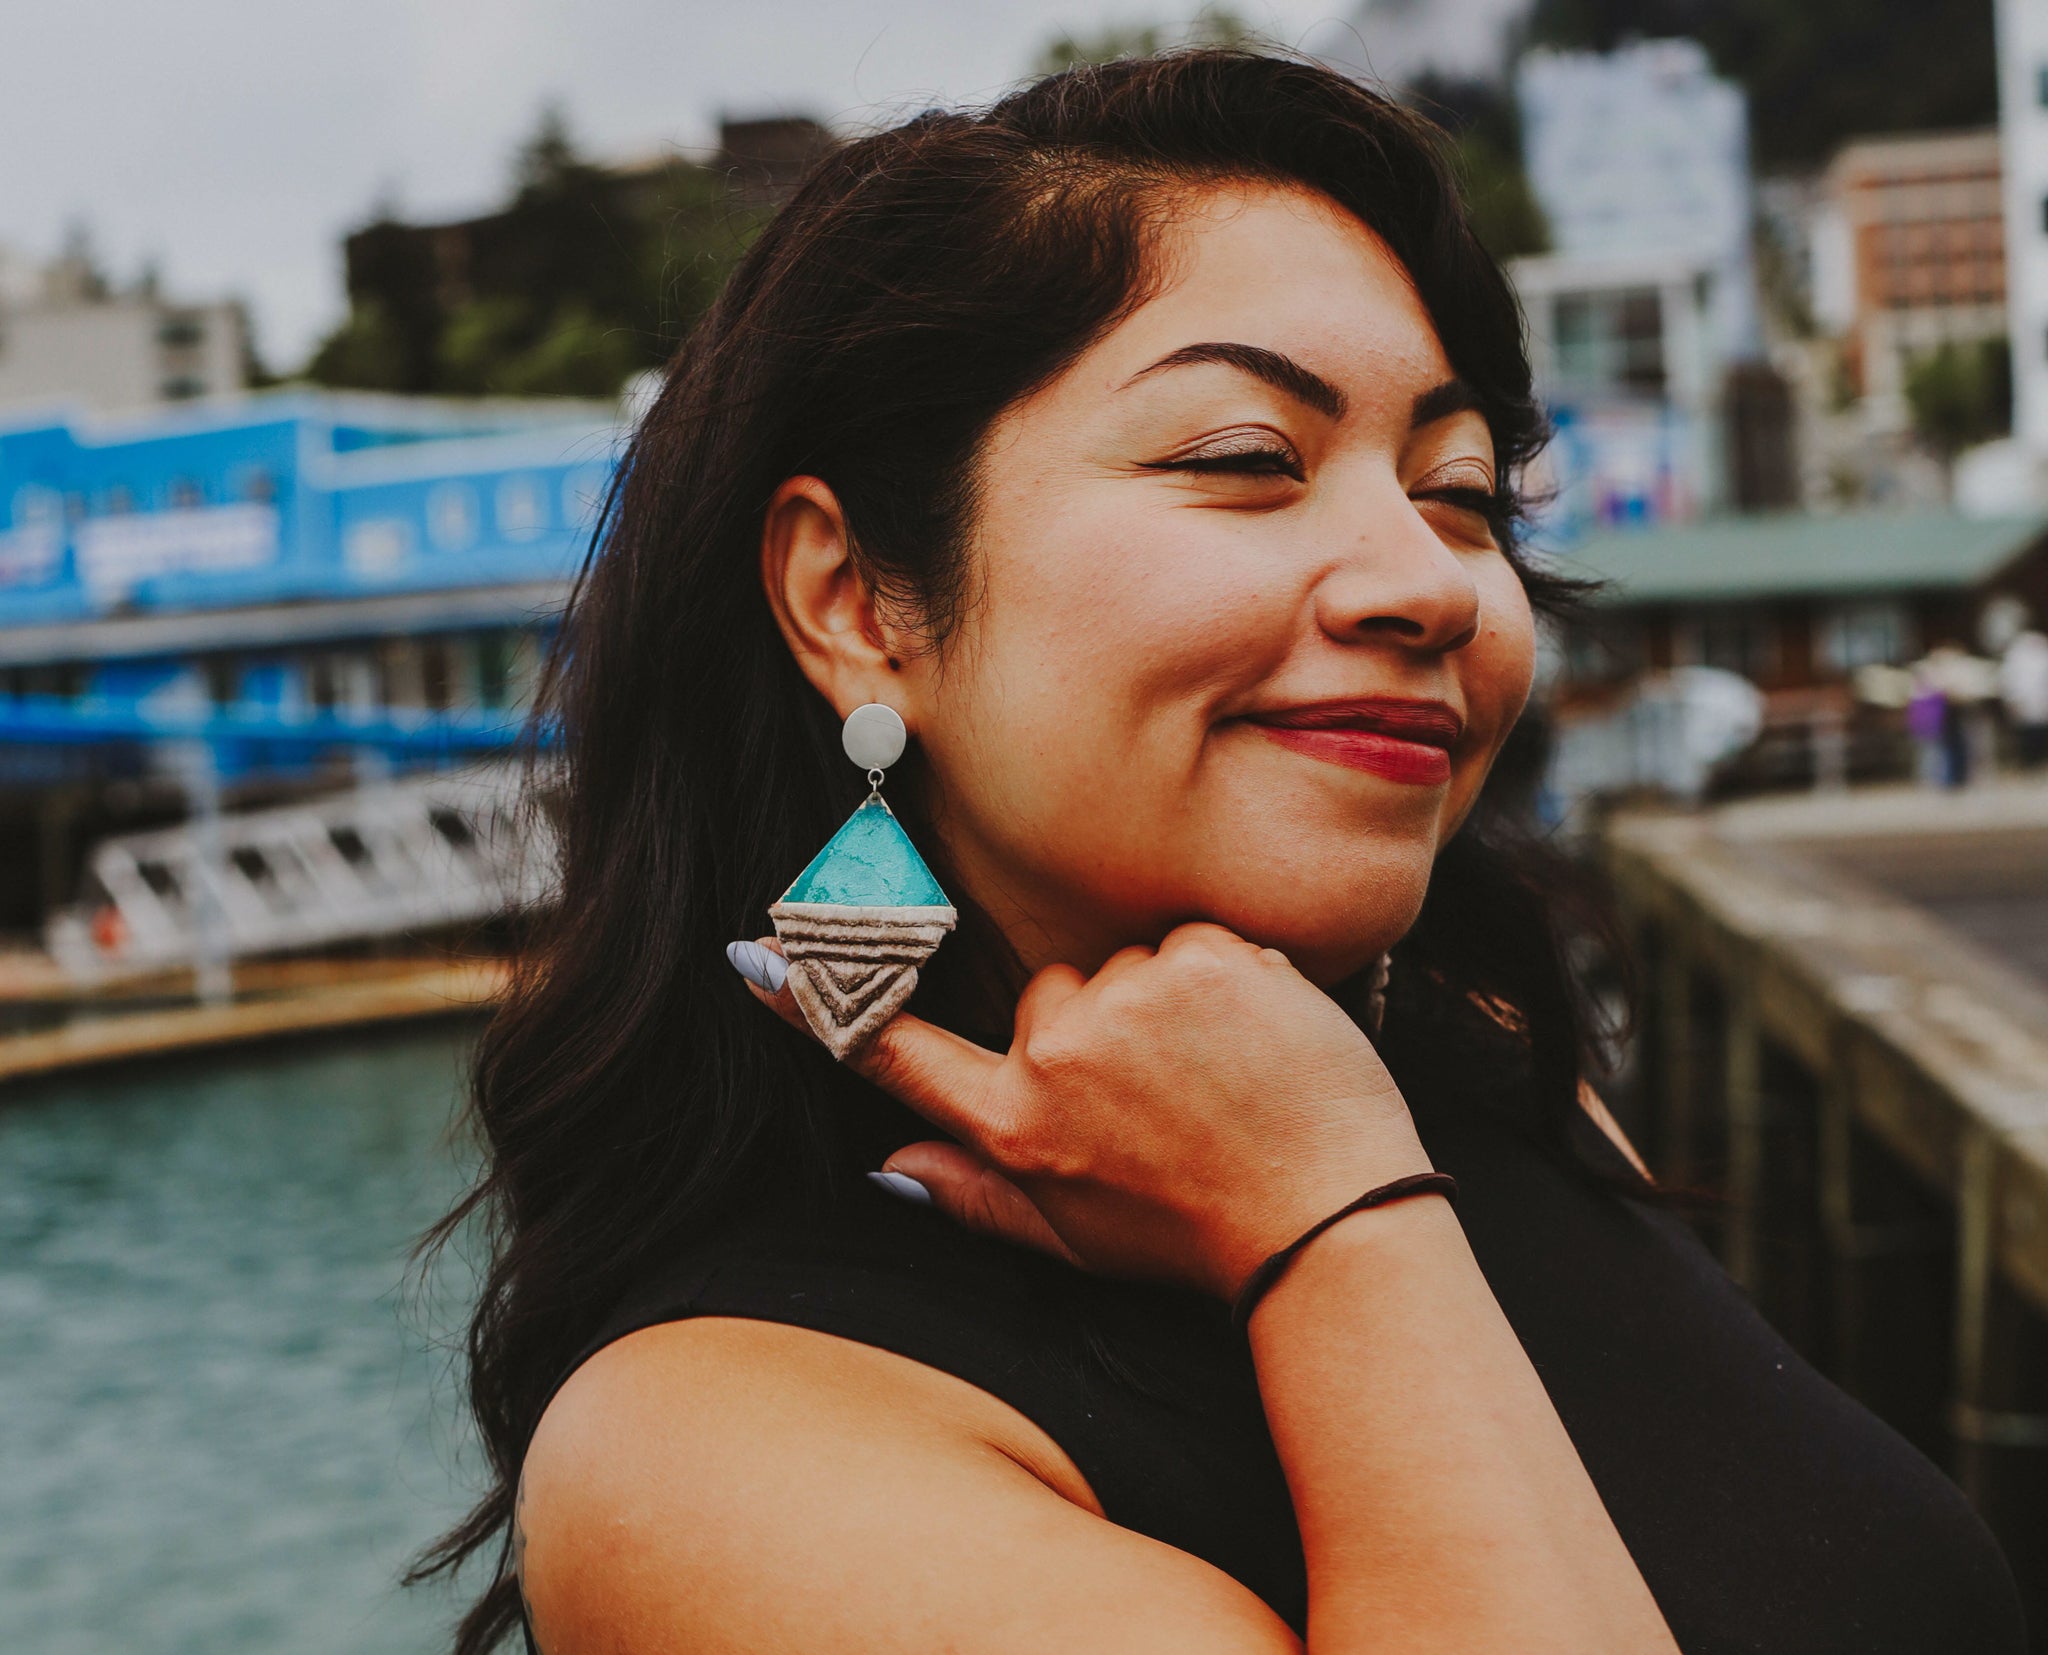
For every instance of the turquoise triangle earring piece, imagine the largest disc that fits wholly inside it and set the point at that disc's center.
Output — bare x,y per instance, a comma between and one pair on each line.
866,913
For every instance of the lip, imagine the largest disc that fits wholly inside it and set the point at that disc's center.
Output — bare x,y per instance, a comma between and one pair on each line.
1400,740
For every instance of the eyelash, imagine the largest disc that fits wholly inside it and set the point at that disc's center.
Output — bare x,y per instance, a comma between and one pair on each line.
1241,462
1483,501
1279,462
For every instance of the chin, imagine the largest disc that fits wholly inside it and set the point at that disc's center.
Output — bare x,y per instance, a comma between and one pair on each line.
1331,932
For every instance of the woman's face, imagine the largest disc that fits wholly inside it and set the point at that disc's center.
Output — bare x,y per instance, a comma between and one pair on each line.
1241,647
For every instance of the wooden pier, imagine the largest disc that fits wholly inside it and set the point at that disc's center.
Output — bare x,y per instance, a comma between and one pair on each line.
1865,1088
58,1028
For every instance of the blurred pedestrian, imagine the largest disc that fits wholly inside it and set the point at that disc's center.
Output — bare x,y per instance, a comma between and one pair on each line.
1926,723
2023,686
1947,715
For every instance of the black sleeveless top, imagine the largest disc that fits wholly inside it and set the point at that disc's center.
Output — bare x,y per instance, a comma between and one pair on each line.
1769,1513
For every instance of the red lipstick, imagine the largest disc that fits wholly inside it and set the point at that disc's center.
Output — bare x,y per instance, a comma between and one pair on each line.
1403,741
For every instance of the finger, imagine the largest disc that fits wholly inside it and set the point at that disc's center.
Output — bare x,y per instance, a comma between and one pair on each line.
1042,998
945,1079
942,1077
1122,961
977,1197
1204,935
758,973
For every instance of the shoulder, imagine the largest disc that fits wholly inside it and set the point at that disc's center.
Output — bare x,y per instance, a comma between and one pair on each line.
701,1387
721,1483
738,1429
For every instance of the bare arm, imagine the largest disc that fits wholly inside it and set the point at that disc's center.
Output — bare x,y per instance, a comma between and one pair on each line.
1442,1506
720,1485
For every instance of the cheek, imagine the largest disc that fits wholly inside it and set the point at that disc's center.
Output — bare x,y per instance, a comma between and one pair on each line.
1505,652
1071,722
1114,633
1496,670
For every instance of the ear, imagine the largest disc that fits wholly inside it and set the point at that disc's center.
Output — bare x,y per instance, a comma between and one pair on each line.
826,612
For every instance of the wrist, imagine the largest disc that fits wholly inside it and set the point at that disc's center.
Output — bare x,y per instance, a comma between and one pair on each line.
1269,1271
1369,1243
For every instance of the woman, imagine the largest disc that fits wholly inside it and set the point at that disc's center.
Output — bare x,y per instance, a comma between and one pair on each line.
1149,444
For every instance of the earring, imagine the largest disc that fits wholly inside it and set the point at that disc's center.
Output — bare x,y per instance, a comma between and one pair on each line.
867,912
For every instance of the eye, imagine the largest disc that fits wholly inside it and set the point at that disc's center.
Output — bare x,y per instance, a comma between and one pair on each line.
1469,490
1244,453
1460,477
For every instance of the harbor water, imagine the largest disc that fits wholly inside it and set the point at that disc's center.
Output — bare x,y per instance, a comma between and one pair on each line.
227,1415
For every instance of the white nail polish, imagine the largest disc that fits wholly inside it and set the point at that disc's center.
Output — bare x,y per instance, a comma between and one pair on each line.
903,1186
758,965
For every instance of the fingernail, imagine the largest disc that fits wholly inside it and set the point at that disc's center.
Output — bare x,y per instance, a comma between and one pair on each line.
902,1186
758,965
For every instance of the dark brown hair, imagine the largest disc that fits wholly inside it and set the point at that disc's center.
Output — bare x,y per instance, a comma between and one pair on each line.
628,1093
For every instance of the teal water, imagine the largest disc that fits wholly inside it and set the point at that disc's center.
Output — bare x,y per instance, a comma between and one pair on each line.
223,1423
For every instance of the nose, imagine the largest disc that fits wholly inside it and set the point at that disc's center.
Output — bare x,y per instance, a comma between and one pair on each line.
1402,585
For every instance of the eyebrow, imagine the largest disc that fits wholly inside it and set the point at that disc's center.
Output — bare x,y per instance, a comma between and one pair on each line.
1453,396
1283,373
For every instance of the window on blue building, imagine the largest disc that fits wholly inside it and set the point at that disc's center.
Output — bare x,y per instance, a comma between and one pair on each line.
436,674
222,680
184,494
493,668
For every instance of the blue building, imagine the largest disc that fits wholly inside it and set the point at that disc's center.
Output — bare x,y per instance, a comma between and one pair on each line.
293,586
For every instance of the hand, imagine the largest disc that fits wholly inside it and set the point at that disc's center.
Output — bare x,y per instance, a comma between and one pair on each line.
1178,1116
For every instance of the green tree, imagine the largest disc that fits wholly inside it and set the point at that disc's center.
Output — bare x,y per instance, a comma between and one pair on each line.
365,353
1070,51
586,276
1486,149
1503,208
1960,395
548,157
1211,26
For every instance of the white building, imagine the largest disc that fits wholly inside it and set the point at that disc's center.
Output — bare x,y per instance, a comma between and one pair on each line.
2023,137
1639,159
1622,347
1646,151
65,339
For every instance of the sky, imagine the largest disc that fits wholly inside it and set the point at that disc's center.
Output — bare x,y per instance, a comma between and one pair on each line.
232,143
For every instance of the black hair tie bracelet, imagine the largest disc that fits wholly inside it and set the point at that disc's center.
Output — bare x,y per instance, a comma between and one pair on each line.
1261,1280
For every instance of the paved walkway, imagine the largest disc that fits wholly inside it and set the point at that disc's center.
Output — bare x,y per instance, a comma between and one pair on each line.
1976,859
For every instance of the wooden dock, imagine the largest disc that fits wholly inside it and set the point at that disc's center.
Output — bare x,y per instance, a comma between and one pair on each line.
273,1000
1865,1086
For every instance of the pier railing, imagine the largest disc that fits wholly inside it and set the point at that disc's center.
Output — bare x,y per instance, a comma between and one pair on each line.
1863,1096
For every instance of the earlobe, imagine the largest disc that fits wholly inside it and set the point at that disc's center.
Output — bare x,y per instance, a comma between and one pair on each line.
820,600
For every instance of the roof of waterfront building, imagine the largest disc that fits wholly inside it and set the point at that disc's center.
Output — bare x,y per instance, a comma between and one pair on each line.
1785,555
286,498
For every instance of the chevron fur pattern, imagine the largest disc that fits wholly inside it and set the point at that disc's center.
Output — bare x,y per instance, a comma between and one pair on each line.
851,969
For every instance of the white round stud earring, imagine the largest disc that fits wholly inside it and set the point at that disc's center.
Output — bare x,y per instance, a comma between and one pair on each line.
874,737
